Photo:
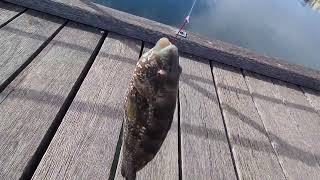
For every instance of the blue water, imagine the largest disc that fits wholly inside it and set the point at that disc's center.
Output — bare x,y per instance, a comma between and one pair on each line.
286,29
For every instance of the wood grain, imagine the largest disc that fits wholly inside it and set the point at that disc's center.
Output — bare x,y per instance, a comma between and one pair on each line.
32,105
85,143
8,11
205,153
306,118
313,97
290,124
254,155
21,38
88,12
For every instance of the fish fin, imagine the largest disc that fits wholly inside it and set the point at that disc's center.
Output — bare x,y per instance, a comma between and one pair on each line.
131,178
128,171
131,109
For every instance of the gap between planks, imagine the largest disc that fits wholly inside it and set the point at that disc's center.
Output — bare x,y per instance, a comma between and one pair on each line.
22,98
14,17
179,136
116,159
264,126
224,124
287,116
95,117
253,153
30,59
28,47
44,144
205,152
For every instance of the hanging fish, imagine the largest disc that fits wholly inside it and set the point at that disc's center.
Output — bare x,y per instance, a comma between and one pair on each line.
149,106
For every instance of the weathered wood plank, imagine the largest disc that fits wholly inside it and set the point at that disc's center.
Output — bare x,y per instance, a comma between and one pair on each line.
205,152
286,120
32,106
254,155
21,39
85,143
88,12
313,97
8,11
165,163
301,111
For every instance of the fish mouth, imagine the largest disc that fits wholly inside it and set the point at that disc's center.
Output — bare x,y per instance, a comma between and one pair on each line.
163,42
166,48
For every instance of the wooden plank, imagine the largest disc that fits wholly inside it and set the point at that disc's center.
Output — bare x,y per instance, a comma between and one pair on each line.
254,155
165,164
85,143
304,114
8,11
88,12
33,104
286,128
313,97
205,152
21,39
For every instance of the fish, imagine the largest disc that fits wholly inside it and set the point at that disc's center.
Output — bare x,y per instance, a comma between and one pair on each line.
149,106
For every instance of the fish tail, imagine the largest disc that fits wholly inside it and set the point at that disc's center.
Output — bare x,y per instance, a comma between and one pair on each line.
132,178
128,171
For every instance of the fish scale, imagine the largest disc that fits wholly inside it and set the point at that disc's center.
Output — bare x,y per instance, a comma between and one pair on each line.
149,106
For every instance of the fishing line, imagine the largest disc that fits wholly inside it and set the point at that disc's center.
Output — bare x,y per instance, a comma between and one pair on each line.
194,2
186,20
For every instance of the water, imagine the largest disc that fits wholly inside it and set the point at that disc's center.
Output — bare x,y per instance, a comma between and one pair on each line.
285,29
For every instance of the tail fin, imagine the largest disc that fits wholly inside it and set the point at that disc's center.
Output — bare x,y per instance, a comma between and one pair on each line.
133,178
128,171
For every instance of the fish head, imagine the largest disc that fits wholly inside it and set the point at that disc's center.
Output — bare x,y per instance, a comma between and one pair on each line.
158,70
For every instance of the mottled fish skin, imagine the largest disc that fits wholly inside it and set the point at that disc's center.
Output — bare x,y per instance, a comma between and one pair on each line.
149,106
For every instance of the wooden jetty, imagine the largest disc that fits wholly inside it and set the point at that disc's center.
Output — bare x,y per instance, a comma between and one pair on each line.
64,69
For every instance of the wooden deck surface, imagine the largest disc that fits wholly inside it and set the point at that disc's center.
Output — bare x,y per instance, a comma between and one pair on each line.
62,88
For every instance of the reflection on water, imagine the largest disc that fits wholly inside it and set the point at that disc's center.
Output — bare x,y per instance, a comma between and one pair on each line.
280,28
